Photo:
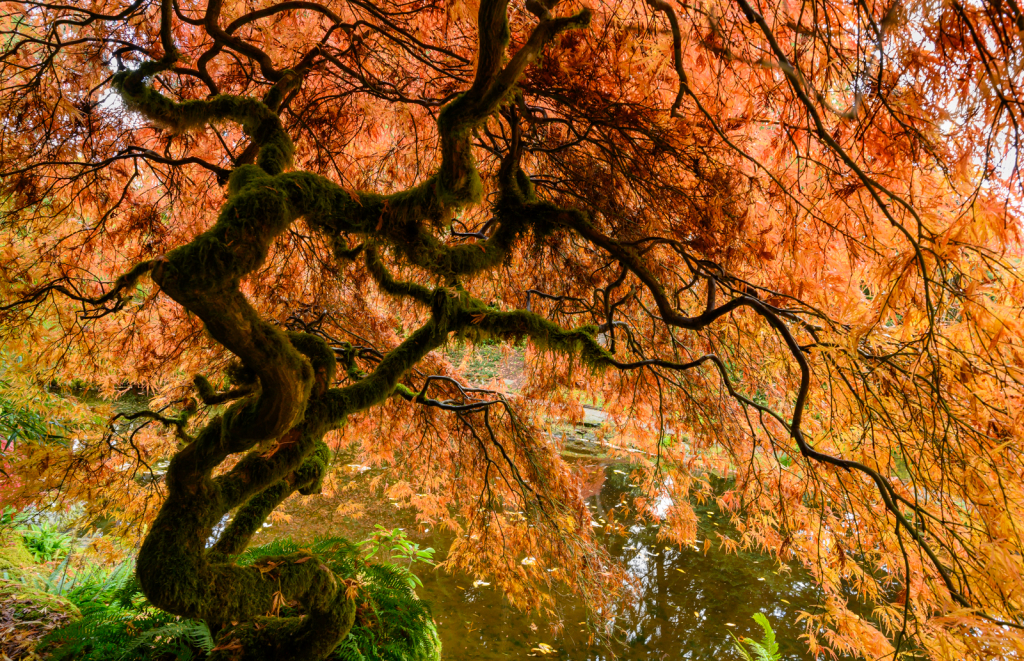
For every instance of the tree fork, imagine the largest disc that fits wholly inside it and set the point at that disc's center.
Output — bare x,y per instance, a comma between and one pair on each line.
293,402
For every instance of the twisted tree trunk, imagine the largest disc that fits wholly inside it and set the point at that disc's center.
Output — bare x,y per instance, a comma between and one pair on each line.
280,424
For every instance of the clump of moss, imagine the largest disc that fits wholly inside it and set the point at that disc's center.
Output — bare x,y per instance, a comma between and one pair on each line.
30,603
14,557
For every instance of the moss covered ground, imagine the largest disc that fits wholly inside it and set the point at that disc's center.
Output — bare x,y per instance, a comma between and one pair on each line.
27,612
14,557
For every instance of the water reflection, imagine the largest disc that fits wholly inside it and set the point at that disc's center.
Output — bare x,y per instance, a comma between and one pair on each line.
689,601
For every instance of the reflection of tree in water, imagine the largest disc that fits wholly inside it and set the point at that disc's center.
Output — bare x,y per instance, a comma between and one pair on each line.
685,597
688,598
592,478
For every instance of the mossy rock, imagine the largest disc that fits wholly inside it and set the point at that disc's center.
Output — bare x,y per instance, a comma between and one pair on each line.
14,557
28,603
26,615
583,448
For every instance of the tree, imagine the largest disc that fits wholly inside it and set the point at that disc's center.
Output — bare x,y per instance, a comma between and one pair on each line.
779,240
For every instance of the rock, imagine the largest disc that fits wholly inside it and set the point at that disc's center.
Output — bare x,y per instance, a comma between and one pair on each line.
582,448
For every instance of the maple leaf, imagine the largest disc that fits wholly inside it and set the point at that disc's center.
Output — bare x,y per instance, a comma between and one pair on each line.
351,589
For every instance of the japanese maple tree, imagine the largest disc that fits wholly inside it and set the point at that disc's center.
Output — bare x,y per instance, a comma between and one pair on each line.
779,241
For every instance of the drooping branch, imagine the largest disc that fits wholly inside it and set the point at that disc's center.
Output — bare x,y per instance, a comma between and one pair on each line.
115,294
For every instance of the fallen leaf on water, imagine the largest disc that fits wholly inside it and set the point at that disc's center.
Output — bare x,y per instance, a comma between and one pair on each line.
479,583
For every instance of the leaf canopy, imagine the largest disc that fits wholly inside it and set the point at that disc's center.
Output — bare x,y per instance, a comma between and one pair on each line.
777,241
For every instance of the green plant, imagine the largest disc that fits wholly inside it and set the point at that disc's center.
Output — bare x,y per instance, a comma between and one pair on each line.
45,542
9,516
182,639
117,622
764,650
402,548
18,422
23,413
392,623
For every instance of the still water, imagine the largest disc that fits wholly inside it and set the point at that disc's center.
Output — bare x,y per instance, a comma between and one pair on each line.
688,601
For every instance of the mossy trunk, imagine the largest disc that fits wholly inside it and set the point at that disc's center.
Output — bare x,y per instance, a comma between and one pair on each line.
279,422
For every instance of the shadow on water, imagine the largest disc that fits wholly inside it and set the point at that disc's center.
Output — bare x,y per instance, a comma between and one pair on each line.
689,604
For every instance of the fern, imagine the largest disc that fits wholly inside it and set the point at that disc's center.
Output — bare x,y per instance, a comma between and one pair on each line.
95,584
764,650
118,624
394,625
195,633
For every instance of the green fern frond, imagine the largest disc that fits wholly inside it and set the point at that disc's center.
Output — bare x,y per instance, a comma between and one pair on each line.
764,650
740,648
194,632
768,642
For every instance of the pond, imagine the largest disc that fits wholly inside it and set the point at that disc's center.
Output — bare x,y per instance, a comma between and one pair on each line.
690,601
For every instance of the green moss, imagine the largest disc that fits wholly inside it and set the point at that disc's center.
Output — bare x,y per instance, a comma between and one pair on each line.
259,121
517,324
14,557
242,176
391,622
381,383
247,520
309,477
313,636
30,604
318,352
389,284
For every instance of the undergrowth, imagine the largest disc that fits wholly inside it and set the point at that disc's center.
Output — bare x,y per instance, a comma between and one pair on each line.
392,623
118,624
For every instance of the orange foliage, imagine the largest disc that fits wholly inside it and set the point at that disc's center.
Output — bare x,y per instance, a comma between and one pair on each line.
790,231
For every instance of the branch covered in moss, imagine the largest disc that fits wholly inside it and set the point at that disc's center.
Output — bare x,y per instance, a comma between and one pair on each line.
281,422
